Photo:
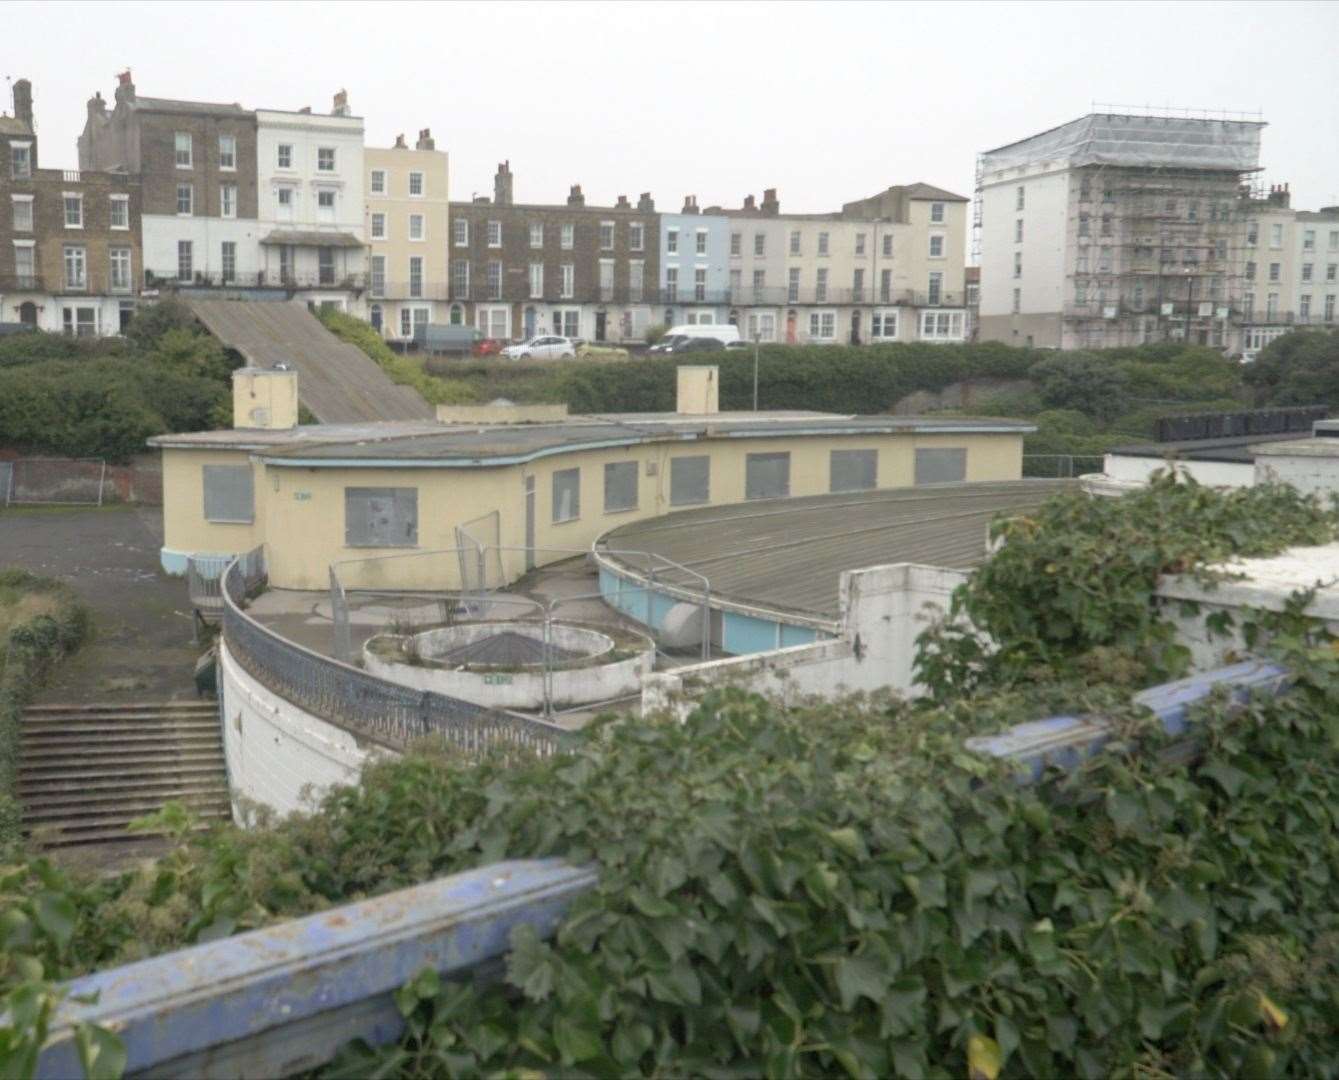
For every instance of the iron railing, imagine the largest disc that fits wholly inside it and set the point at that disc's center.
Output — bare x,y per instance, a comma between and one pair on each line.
352,699
259,279
1061,466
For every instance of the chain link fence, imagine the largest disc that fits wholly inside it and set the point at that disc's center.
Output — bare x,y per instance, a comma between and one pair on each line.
355,700
53,482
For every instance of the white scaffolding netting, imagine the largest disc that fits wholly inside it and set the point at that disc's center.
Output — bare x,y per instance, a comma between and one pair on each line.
1140,142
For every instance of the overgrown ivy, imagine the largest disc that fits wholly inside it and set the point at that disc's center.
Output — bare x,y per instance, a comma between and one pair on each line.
1071,590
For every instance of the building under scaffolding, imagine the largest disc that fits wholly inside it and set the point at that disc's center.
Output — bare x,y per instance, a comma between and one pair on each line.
1117,230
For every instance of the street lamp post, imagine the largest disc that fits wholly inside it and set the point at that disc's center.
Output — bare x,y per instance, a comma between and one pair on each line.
755,371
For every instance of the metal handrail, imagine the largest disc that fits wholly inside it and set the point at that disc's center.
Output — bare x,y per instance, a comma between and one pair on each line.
359,702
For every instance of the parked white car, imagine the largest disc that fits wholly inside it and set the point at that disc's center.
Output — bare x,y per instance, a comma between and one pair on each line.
543,347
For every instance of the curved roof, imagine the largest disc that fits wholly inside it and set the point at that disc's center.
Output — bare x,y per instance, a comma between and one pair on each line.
787,555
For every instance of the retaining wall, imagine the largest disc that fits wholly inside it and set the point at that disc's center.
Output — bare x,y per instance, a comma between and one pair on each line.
278,755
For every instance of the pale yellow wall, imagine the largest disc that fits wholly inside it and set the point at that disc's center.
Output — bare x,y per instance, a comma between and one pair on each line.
397,205
263,398
304,508
184,526
914,255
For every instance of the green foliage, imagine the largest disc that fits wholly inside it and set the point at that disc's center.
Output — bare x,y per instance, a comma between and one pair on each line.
30,646
1300,368
655,332
79,397
401,369
1071,589
1083,381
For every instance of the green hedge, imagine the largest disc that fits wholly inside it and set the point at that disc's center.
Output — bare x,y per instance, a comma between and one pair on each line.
28,652
404,370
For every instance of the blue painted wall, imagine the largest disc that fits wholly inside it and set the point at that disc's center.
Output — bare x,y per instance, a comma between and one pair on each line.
716,260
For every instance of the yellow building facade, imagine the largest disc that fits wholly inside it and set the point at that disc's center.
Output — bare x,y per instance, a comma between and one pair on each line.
316,504
407,230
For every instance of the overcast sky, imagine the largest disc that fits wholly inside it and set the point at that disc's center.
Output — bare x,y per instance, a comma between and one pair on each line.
826,102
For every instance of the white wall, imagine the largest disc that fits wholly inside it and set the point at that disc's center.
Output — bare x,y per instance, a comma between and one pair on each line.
161,232
1045,217
1309,473
882,611
1210,473
1266,584
279,756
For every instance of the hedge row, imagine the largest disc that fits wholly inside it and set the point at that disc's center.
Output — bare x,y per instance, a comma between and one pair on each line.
28,652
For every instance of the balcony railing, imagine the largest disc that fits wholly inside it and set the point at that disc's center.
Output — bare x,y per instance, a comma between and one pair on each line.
404,290
263,279
21,283
690,295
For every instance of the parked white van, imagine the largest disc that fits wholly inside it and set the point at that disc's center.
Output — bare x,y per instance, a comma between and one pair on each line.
725,333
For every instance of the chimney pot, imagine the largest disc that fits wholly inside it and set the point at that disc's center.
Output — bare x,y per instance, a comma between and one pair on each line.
425,140
400,144
341,104
574,197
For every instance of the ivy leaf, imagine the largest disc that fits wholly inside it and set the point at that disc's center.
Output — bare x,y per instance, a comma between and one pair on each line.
860,976
101,1053
575,1041
1228,777
530,964
56,915
1275,1018
984,1059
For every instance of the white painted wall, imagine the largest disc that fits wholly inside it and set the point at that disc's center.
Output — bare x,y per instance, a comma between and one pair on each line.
1265,585
278,756
1045,217
1137,470
160,235
1309,473
882,611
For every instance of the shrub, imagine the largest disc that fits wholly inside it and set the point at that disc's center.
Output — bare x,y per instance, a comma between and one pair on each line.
401,369
1300,368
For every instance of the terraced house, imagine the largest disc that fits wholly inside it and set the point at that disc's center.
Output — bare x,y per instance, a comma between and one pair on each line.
518,269
69,238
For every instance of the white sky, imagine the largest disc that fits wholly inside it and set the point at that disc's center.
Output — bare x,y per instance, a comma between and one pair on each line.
826,102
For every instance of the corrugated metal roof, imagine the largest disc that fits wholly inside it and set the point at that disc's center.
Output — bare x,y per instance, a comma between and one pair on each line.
787,555
338,382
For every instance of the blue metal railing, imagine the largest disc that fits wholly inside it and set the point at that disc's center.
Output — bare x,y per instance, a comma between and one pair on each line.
283,999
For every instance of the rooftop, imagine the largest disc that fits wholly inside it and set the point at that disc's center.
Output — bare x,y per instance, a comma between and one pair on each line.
172,105
1138,141
787,555
1237,448
12,125
426,444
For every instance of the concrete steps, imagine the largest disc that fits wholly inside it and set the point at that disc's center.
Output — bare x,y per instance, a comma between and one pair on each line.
87,771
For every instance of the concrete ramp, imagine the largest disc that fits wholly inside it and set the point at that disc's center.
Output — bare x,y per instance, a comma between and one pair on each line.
338,382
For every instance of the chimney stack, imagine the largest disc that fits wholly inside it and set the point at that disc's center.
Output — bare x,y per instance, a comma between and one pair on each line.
400,144
750,203
574,197
305,110
425,140
502,190
23,102
341,105
125,87
645,203
770,206
96,106
689,204
623,203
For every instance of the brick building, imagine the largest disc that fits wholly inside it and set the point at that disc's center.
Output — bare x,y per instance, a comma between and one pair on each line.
197,166
70,252
517,269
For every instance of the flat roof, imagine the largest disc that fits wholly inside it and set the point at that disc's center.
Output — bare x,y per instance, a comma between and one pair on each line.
1236,448
451,445
787,555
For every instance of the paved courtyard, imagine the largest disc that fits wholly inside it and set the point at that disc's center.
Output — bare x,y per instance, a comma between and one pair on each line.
142,648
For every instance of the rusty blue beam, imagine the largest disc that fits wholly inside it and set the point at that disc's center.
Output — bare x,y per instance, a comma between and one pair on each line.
1066,741
283,999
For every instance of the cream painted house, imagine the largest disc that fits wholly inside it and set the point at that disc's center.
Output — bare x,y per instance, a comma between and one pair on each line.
317,495
407,230
886,268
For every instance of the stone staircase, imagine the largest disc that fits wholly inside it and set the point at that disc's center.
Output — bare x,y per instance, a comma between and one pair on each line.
86,771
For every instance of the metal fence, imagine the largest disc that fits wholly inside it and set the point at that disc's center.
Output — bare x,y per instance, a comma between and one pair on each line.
353,699
1061,466
54,482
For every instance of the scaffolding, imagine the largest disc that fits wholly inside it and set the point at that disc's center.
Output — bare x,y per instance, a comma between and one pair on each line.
1157,207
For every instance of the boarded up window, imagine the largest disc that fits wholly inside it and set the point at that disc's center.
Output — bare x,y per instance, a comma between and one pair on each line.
766,476
620,486
228,493
938,466
381,517
567,495
853,470
690,481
